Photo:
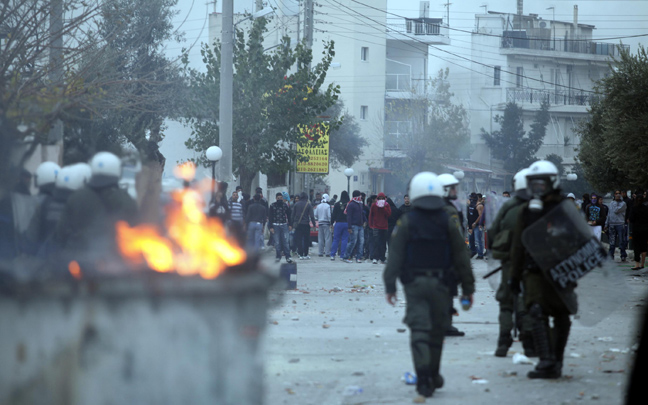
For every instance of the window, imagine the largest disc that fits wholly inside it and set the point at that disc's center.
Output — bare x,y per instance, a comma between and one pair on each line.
496,75
364,112
364,53
519,77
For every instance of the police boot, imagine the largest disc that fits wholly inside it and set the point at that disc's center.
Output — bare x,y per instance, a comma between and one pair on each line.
547,367
527,344
562,325
423,384
503,343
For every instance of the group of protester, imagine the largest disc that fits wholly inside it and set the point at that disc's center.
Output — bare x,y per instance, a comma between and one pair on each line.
624,217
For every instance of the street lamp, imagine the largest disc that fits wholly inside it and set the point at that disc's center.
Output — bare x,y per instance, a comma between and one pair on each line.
348,172
459,175
214,154
572,177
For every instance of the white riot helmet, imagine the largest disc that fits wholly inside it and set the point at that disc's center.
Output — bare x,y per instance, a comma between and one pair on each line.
542,179
46,174
448,181
520,184
70,178
85,171
106,169
426,191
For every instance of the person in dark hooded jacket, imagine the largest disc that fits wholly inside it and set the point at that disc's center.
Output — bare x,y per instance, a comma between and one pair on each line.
302,218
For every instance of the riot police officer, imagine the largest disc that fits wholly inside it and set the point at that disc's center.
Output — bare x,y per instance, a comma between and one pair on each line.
428,255
449,183
500,239
542,299
88,219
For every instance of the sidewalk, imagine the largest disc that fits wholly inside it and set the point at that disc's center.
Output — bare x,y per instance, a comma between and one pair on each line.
336,335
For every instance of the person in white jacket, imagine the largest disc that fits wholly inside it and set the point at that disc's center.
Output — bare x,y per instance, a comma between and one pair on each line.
323,217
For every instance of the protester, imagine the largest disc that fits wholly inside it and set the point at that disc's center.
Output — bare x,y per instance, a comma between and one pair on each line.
340,226
615,225
255,221
355,223
639,223
323,217
379,223
278,225
302,220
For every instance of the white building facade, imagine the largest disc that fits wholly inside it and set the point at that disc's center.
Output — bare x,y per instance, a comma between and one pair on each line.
377,59
530,60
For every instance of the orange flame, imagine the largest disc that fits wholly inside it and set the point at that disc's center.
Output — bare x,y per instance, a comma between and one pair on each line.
185,171
196,244
75,269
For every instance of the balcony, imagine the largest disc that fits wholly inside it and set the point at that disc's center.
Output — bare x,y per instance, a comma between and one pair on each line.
398,82
429,30
519,40
555,97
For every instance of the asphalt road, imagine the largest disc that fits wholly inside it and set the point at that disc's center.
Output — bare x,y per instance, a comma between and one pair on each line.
335,340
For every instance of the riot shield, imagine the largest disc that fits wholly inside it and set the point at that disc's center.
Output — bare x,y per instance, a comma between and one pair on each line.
491,208
461,205
563,246
496,279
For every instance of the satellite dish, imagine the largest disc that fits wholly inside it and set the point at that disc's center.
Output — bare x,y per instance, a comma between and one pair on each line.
543,24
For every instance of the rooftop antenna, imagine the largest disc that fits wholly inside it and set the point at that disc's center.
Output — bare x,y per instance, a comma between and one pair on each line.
447,6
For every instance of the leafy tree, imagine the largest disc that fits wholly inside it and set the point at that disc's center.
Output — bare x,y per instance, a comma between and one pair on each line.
39,74
274,93
613,145
558,161
511,143
436,130
345,142
144,89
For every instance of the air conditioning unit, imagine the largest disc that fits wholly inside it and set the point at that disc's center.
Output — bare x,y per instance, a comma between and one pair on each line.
544,24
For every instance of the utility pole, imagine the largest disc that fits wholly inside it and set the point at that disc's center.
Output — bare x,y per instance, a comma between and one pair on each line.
308,23
55,135
226,91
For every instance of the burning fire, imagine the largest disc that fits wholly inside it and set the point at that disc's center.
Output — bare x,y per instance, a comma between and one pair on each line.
75,269
194,244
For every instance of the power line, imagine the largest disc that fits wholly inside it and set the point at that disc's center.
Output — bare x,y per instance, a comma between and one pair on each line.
462,57
494,35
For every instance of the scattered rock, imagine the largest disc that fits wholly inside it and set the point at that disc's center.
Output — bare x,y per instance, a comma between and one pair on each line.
293,361
595,397
291,392
370,321
487,390
275,323
294,318
294,302
509,374
325,326
358,374
575,355
480,381
336,359
377,335
401,330
604,339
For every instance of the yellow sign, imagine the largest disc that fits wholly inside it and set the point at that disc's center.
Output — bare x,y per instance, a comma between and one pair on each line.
318,152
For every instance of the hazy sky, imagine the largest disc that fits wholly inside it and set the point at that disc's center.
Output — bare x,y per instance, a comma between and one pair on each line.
612,18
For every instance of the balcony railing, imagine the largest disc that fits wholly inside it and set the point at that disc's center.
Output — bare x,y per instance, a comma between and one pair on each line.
418,26
396,132
554,97
398,82
518,39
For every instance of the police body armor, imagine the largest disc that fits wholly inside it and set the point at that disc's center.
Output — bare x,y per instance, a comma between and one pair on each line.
428,246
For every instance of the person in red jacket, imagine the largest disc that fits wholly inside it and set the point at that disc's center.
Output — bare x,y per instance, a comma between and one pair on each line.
378,222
